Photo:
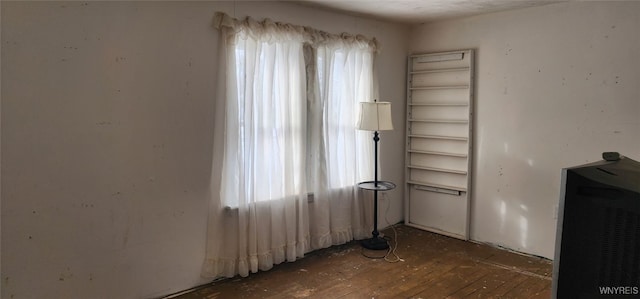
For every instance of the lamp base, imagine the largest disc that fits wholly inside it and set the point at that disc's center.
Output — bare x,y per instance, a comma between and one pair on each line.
375,243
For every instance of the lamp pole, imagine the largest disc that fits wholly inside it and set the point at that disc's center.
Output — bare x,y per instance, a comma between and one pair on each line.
375,183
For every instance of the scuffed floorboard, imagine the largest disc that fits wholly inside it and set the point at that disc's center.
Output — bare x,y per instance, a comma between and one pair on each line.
434,266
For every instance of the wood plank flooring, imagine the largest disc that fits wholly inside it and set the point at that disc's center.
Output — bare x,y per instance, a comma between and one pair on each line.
433,266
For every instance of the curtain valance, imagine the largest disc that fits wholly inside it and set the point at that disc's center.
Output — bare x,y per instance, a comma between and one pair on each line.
267,29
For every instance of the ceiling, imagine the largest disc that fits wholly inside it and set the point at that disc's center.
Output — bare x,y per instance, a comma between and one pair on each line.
422,11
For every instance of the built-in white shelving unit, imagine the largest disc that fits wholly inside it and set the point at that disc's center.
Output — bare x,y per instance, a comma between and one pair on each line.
439,142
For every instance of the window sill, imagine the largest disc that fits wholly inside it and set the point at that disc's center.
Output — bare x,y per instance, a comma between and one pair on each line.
310,199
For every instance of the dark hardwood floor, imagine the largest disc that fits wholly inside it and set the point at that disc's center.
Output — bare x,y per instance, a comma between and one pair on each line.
433,266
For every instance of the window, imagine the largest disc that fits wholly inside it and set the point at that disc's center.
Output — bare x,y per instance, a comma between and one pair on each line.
345,77
266,110
291,97
288,132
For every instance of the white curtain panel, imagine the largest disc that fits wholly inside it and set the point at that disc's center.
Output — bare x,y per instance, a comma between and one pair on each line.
343,78
291,153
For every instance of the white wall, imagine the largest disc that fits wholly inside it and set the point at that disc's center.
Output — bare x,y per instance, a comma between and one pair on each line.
556,86
107,139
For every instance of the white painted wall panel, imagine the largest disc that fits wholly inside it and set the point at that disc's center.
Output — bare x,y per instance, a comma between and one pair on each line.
438,212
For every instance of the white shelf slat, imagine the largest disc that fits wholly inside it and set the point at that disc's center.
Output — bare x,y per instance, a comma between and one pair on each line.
437,153
439,87
437,169
443,121
456,69
439,104
438,137
427,184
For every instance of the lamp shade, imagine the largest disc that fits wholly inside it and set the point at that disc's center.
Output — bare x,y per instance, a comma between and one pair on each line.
375,116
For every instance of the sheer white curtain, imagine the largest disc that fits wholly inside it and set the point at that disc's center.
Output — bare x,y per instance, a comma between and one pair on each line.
289,136
260,217
343,77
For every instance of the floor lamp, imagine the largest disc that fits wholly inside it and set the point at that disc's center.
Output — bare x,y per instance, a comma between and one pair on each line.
375,116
